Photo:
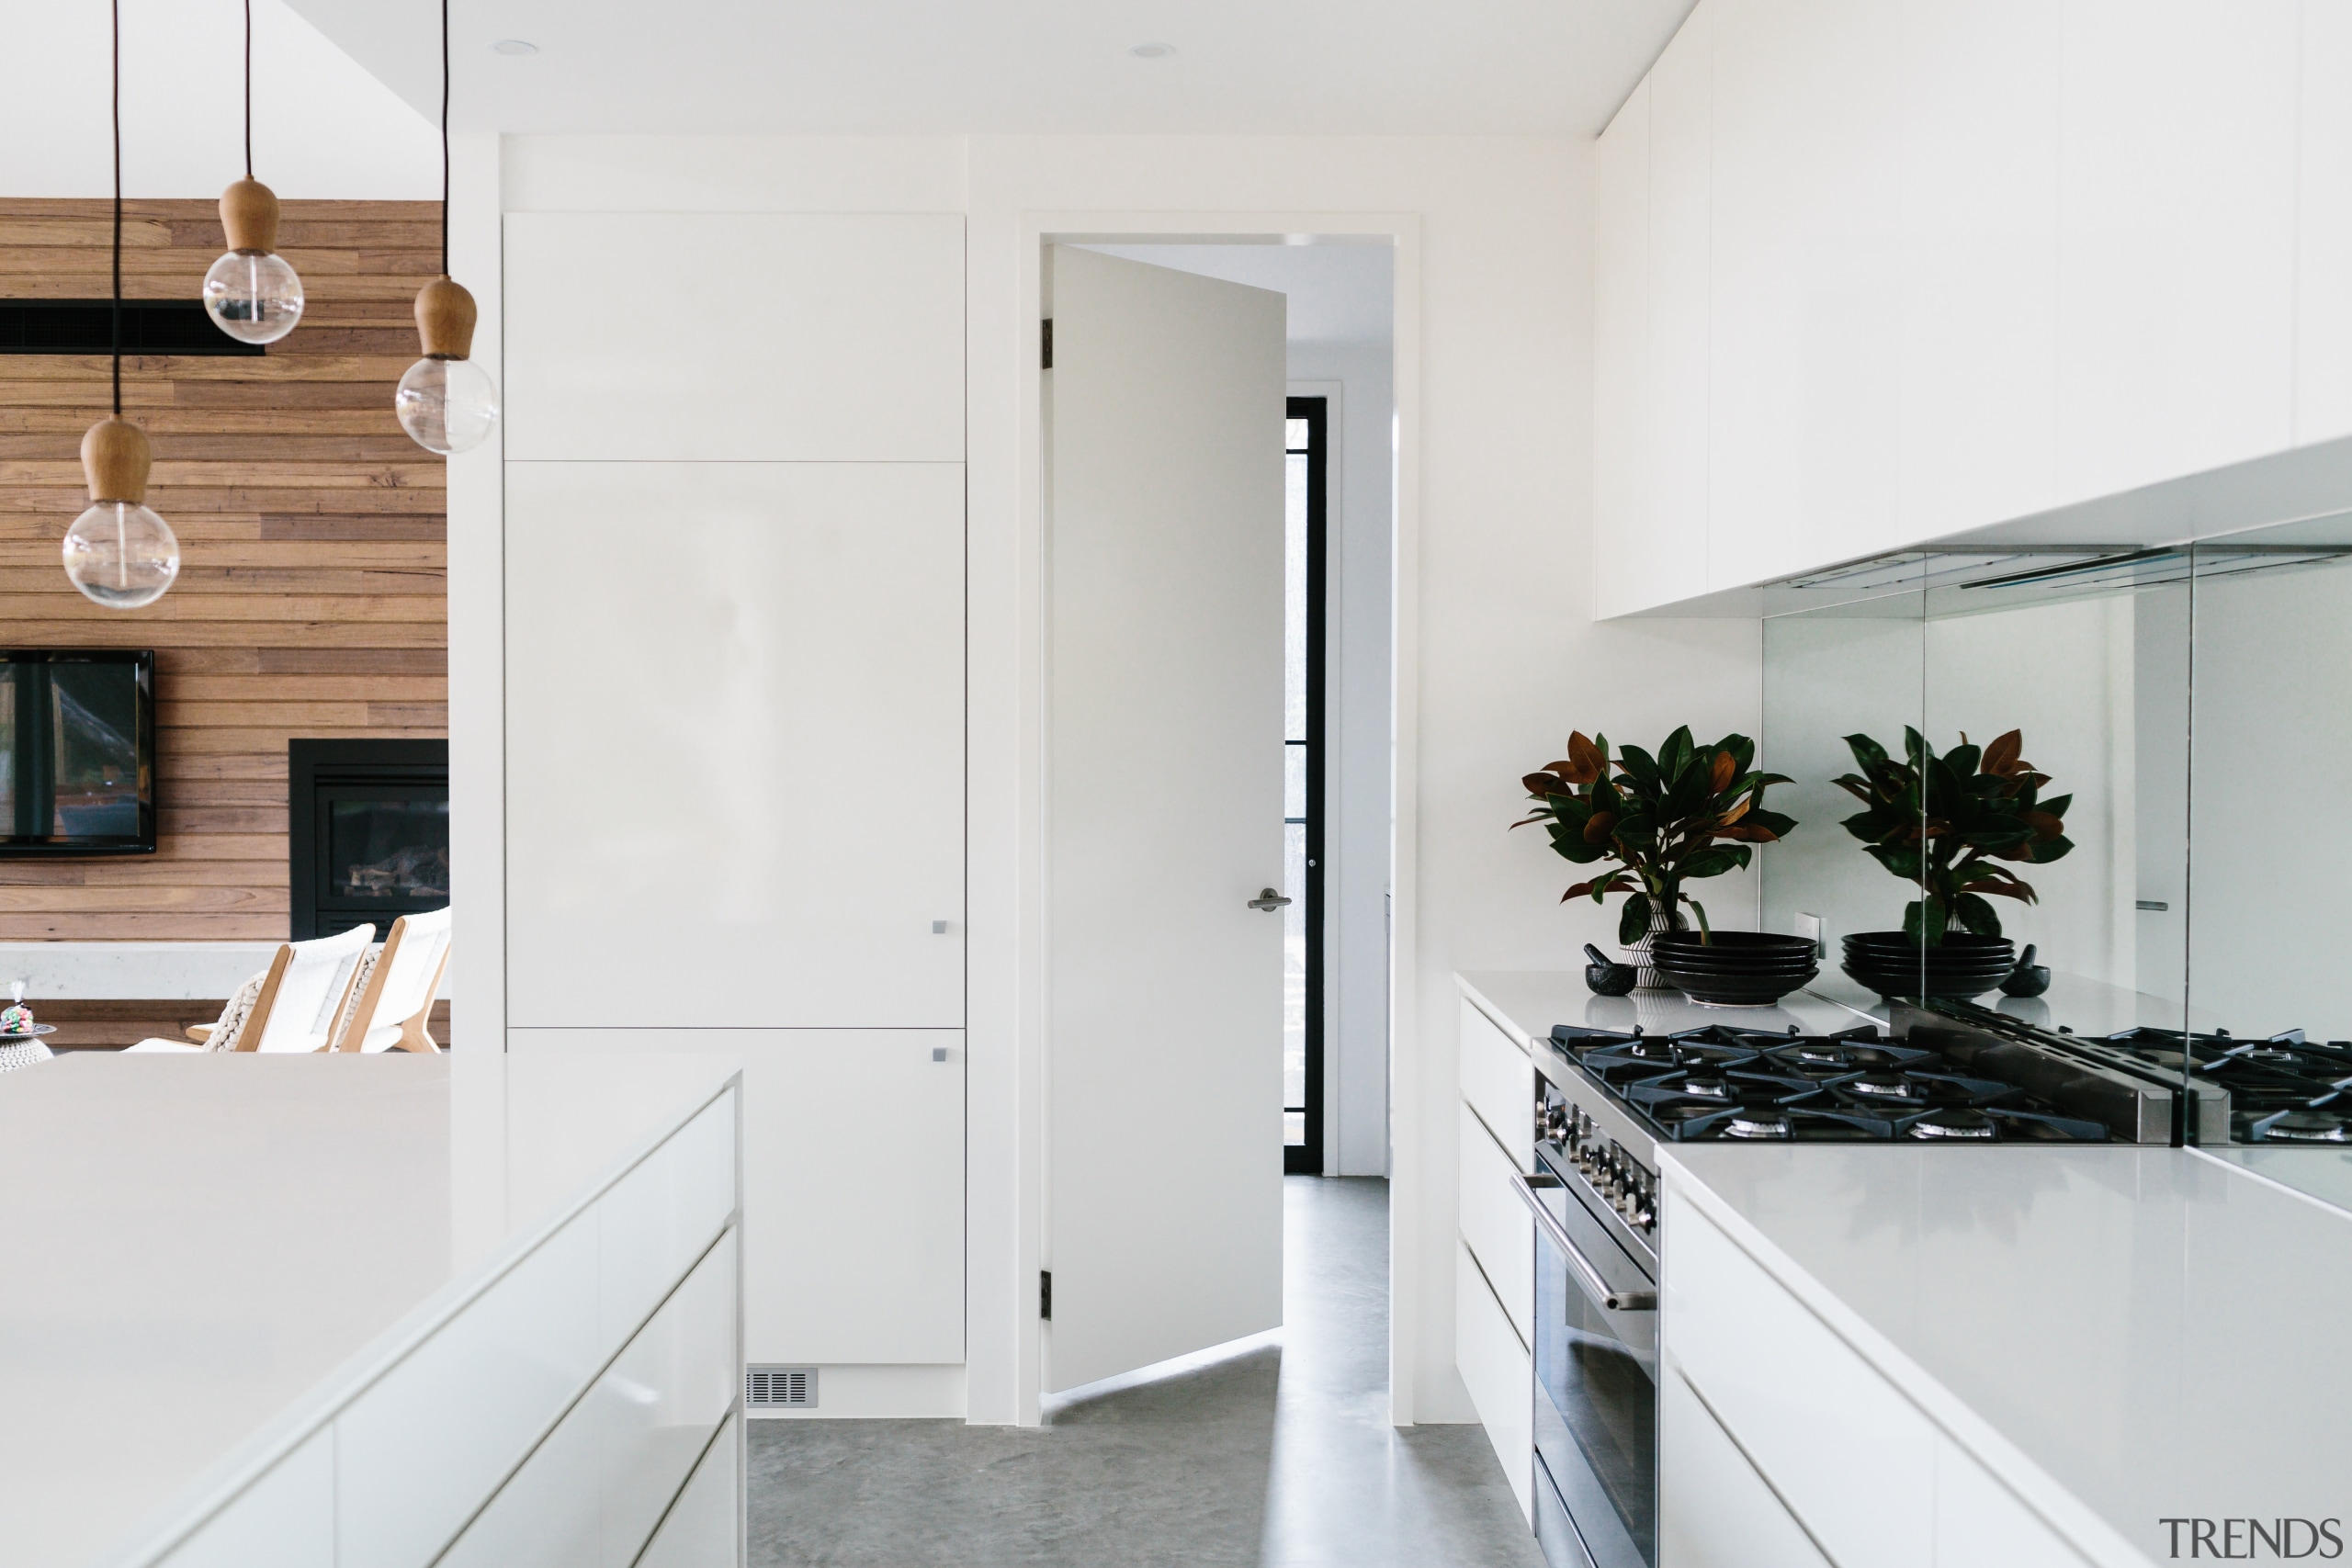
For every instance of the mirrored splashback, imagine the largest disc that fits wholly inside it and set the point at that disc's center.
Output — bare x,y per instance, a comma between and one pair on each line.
2099,795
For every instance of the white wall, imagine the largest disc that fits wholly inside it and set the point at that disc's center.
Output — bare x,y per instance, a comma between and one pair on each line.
1877,272
1497,658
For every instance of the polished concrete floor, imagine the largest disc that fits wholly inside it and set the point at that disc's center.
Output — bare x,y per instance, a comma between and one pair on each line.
1278,1454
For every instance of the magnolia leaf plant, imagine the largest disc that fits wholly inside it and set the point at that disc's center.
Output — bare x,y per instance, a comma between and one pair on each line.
1688,812
1947,824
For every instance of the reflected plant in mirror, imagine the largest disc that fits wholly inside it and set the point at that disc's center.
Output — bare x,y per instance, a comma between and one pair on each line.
1941,823
1687,813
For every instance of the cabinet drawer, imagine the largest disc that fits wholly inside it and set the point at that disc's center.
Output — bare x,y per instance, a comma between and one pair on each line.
1980,1520
1498,1081
418,1452
1714,1511
1496,1370
1852,1458
659,1217
662,1398
285,1520
1495,1225
705,1527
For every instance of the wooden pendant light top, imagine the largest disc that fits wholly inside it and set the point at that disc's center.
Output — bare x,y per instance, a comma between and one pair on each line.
114,457
249,213
445,319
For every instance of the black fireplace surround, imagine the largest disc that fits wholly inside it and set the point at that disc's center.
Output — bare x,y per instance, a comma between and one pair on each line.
367,832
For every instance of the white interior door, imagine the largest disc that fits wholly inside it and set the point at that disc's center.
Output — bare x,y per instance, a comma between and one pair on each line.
1164,422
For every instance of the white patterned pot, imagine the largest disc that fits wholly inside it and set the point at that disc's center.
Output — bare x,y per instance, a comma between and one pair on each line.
1645,976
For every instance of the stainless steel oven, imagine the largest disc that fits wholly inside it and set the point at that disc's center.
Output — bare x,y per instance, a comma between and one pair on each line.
1596,1368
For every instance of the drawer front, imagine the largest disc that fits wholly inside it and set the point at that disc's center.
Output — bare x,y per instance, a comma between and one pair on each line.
663,1397
1852,1458
1495,1225
1499,1374
409,1470
705,1527
658,1219
285,1520
546,1515
1980,1520
1498,1080
1714,1510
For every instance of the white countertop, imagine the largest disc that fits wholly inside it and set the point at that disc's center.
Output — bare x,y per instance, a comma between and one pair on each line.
2146,1333
198,1251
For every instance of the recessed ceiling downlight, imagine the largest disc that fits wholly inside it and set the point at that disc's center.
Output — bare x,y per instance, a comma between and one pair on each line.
1152,51
516,46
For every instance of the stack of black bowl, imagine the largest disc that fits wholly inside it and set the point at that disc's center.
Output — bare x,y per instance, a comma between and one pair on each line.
1962,966
1734,968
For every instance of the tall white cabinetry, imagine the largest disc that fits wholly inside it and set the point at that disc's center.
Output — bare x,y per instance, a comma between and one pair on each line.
734,568
1871,273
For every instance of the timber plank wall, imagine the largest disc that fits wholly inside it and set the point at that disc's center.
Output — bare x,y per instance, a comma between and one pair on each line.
312,593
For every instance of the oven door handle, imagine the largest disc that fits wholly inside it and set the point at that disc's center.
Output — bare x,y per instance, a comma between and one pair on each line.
1598,1289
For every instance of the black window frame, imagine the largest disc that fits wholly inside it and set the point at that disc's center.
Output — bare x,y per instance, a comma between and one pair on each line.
1305,1158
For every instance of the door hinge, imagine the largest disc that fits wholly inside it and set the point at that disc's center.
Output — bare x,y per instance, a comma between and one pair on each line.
1046,1294
1047,337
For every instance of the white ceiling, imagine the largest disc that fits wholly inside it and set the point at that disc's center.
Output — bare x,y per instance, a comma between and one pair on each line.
1337,293
1320,67
323,127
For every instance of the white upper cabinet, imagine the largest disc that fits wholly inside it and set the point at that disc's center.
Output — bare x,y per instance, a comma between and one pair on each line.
767,337
735,744
2324,227
2177,212
1964,260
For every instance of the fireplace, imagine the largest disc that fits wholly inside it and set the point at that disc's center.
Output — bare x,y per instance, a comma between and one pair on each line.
367,832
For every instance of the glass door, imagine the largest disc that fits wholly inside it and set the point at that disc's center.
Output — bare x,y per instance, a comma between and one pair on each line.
1306,487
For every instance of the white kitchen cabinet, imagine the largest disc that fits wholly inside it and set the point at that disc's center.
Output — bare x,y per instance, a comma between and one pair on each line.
665,1395
2177,254
2324,226
705,1526
853,1185
735,738
1718,1512
1498,1083
1980,1520
285,1519
1848,1455
1495,1225
734,336
1499,1372
1680,153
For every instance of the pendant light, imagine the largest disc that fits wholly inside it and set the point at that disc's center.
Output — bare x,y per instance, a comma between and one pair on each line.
445,401
118,553
252,292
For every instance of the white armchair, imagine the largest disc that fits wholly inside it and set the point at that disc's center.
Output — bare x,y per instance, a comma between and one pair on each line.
295,1004
394,1002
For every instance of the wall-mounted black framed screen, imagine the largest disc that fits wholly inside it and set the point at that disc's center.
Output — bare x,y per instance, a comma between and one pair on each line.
77,752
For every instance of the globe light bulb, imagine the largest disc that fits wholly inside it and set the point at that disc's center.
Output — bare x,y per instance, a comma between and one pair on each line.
447,405
251,293
120,554
254,296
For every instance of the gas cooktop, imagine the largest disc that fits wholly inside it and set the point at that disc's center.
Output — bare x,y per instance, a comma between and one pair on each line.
2282,1089
1722,1083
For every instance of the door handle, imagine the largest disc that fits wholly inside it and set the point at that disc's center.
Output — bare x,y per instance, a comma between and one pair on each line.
1268,899
1601,1291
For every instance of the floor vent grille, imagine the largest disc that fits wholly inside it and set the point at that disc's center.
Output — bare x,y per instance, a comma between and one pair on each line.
780,1388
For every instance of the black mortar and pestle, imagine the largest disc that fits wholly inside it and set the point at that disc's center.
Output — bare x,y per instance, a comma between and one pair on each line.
1607,977
2029,979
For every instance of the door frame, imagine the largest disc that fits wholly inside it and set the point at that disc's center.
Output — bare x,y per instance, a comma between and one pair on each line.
1006,1206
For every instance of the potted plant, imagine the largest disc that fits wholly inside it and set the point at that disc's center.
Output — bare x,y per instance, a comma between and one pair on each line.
1952,826
1687,813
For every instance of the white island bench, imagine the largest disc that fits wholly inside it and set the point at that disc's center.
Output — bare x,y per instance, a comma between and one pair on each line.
369,1311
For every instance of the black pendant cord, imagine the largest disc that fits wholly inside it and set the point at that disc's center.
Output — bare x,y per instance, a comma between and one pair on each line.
117,208
444,137
249,89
